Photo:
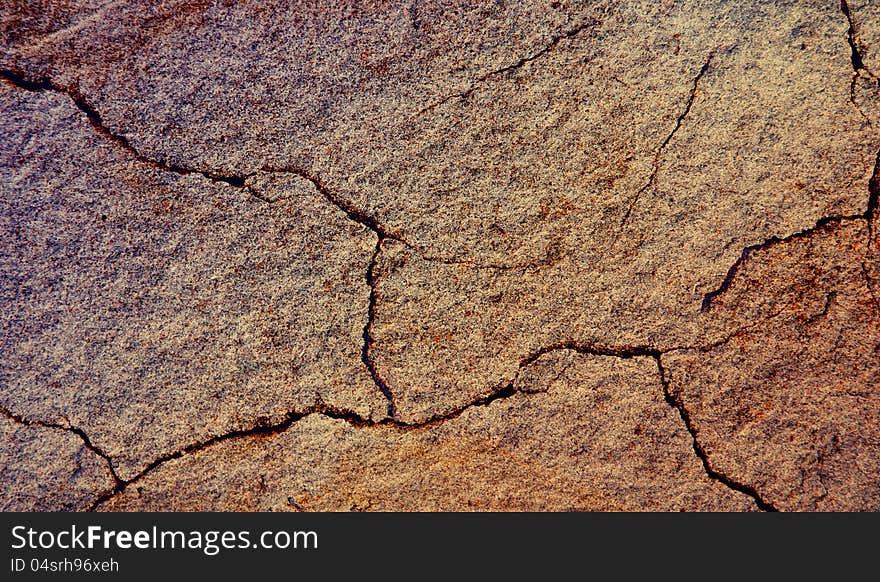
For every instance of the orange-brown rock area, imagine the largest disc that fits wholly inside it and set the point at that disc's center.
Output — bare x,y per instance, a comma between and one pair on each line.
440,255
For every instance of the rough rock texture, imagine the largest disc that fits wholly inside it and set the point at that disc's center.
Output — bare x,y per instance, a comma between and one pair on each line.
582,433
790,405
153,309
48,468
341,231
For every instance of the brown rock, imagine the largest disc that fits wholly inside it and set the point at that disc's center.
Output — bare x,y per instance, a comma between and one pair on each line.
580,433
48,469
154,309
789,405
221,217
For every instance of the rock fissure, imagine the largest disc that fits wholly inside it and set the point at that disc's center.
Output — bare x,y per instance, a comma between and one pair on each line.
97,122
701,452
852,37
822,225
87,442
858,62
828,222
368,337
589,23
658,153
870,212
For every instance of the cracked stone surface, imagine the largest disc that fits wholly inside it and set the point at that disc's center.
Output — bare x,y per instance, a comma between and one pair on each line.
582,433
442,255
48,469
791,404
152,309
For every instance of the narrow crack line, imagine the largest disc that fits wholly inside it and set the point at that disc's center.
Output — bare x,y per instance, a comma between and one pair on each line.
94,117
658,153
289,420
624,352
500,393
392,421
240,181
852,37
382,234
824,224
508,390
353,213
701,453
87,442
589,23
872,213
830,298
636,351
858,63
262,198
367,335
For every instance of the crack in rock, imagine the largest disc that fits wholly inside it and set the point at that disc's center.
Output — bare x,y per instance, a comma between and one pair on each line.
87,442
701,453
858,63
589,23
658,154
852,37
96,121
368,337
823,224
871,215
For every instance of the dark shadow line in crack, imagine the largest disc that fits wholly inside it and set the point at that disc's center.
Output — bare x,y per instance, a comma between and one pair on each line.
700,452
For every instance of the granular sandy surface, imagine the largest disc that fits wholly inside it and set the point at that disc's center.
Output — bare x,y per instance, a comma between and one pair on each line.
440,255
